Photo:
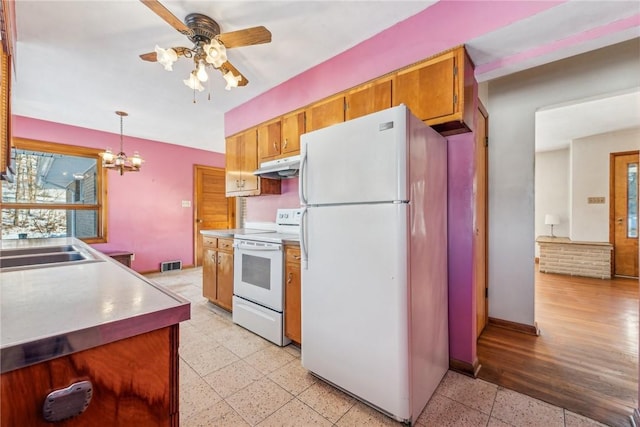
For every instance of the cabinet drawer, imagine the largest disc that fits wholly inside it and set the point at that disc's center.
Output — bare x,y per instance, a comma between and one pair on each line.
209,241
225,244
292,254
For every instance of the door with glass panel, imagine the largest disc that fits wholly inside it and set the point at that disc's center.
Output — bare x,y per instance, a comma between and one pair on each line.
624,213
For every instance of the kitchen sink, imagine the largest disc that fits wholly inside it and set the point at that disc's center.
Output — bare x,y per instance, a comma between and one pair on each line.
37,250
44,256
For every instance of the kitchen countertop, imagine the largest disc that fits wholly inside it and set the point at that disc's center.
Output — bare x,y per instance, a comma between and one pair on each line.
287,239
47,312
230,232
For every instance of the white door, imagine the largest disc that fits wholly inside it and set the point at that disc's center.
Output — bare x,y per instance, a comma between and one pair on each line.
357,161
354,301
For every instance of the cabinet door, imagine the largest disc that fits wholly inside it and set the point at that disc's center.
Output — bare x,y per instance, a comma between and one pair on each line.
368,99
249,161
429,89
292,296
292,128
233,164
325,114
225,279
127,376
209,263
269,137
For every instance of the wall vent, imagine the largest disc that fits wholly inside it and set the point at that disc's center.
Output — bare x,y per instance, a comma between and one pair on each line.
170,265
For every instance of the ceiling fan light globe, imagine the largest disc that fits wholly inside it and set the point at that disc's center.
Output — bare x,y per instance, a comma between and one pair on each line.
201,73
193,83
216,53
232,81
166,57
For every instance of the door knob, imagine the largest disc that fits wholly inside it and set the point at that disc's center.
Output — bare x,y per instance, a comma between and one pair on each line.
620,220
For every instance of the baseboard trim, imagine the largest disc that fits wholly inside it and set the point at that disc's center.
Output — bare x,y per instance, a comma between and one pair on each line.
465,368
515,326
635,418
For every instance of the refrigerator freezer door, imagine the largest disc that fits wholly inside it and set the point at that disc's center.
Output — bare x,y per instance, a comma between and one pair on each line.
360,161
354,302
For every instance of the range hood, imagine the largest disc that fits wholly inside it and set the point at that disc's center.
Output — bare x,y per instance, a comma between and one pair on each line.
279,168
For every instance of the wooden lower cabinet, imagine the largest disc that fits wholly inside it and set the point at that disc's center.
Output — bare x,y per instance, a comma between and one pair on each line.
134,383
217,271
292,295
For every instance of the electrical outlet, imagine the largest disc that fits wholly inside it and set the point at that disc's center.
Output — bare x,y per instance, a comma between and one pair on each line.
186,203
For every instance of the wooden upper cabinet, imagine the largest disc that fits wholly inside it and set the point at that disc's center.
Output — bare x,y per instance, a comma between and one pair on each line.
269,137
292,128
249,158
368,99
241,162
434,90
325,113
233,164
280,138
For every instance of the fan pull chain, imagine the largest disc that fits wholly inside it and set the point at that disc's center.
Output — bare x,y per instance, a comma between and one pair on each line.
194,94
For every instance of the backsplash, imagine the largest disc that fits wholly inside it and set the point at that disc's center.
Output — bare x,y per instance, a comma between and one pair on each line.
263,208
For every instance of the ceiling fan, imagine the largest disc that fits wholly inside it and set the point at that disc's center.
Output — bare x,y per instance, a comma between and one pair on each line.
209,46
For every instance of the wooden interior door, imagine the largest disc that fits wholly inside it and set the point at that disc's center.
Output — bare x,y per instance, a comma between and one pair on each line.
480,227
212,210
623,220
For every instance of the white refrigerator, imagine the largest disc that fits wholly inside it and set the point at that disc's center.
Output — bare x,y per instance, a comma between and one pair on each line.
374,259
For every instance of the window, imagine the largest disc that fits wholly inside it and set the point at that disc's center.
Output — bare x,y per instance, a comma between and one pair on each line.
55,191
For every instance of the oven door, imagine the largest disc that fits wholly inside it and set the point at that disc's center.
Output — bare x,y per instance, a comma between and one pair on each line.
258,273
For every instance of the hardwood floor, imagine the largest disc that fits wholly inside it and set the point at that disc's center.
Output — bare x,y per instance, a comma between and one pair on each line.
586,357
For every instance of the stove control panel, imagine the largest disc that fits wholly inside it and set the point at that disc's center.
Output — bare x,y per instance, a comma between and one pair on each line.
288,216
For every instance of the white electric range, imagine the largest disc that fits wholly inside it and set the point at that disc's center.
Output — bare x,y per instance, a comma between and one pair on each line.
258,285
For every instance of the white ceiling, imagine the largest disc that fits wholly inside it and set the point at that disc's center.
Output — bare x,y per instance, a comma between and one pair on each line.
77,61
558,125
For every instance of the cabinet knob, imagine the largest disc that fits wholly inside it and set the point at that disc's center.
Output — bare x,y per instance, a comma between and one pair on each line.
275,146
289,278
286,142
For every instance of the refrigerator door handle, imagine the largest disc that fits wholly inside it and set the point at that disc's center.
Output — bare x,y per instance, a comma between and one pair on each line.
303,239
301,183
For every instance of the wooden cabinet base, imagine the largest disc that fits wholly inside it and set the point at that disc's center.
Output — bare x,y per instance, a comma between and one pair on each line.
135,383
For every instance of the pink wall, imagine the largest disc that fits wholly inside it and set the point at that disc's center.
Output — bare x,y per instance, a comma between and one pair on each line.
446,24
263,208
145,208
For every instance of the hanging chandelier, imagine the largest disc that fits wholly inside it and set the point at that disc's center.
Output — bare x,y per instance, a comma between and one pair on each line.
120,161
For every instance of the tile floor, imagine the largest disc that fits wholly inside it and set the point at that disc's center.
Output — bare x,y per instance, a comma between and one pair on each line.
232,377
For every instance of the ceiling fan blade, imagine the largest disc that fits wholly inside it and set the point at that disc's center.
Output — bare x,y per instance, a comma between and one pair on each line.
168,17
150,56
246,37
228,67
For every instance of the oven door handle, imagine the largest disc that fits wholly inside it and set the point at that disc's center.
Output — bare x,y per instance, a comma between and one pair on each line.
257,248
